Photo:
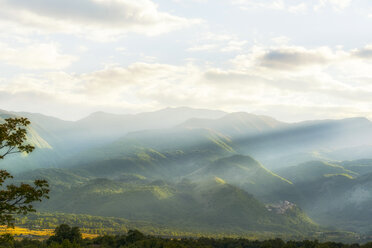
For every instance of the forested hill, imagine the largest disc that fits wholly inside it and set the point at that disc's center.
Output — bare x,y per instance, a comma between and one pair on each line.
201,171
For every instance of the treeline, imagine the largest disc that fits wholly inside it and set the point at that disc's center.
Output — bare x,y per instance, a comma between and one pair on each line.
70,237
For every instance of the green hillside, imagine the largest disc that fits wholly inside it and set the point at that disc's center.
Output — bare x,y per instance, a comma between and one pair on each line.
155,154
313,171
247,173
210,206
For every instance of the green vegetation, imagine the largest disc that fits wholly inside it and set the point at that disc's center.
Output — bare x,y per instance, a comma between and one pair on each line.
70,237
180,177
17,199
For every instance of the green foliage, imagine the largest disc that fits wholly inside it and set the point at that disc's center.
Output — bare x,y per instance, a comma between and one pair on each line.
135,239
64,233
17,199
13,136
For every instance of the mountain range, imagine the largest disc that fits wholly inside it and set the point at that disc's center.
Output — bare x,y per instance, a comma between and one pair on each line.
204,170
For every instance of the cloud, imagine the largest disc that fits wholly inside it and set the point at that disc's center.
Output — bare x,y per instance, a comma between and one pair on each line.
96,19
250,4
292,57
35,56
335,4
364,53
279,81
292,6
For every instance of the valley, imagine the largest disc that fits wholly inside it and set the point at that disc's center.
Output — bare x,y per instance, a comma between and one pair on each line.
191,172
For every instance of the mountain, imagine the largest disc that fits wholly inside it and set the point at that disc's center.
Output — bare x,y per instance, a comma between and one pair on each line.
199,169
275,143
314,170
361,166
210,206
43,155
100,128
236,124
157,153
334,194
282,147
248,174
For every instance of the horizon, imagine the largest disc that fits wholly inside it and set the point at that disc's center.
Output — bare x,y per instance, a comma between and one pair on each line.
182,107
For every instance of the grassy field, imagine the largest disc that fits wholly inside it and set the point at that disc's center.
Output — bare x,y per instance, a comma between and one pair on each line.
37,233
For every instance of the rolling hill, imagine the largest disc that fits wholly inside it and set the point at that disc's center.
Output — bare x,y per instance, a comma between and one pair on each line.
248,174
212,205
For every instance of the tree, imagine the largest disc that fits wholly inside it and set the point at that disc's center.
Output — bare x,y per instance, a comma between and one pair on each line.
17,199
65,232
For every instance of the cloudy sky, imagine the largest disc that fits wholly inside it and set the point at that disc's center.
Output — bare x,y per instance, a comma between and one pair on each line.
290,59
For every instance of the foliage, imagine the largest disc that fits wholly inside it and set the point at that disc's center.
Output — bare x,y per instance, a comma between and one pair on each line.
65,232
134,238
13,136
17,199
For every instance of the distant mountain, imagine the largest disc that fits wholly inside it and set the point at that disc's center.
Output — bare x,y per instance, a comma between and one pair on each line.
361,166
110,126
237,124
158,153
275,148
314,170
100,128
275,143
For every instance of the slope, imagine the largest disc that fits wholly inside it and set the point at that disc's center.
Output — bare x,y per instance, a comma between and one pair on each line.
211,206
314,170
248,174
237,124
157,154
44,155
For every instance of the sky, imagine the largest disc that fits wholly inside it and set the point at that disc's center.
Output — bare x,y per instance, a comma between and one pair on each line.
290,59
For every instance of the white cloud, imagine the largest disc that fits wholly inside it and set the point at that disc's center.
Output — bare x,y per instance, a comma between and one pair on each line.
335,4
35,56
298,79
364,53
292,5
97,19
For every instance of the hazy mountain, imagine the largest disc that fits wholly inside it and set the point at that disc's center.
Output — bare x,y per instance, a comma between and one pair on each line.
314,170
275,143
340,201
197,169
274,147
157,153
212,205
236,124
333,194
44,155
110,126
100,128
247,173
362,166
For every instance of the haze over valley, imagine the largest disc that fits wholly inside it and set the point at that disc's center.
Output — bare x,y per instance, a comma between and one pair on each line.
206,171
